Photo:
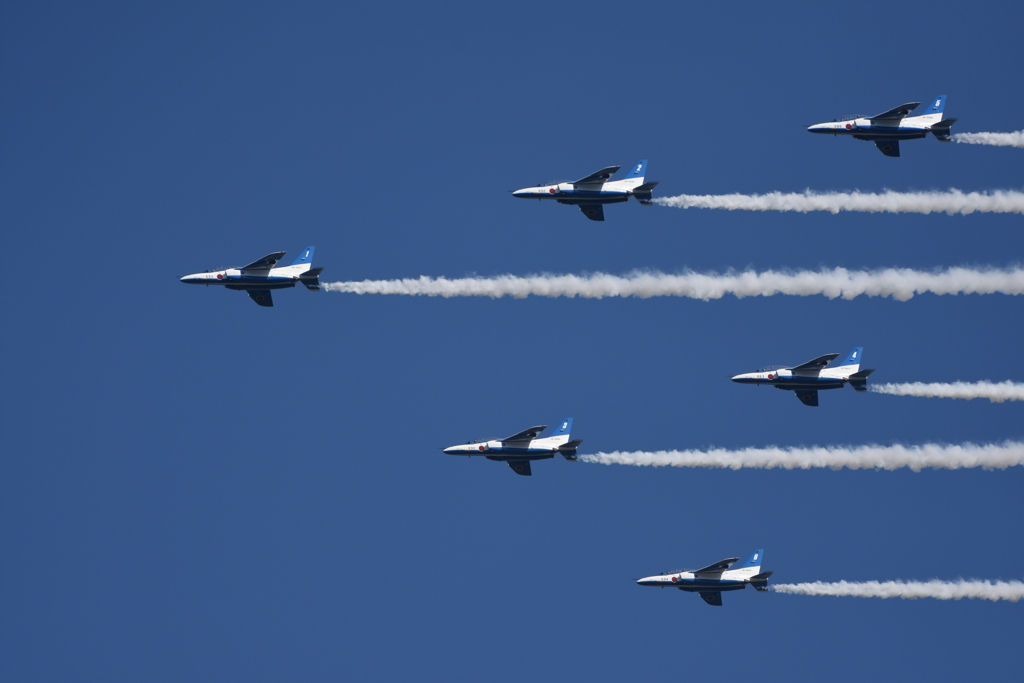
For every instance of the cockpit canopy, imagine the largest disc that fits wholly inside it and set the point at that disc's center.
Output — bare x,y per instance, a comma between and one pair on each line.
769,368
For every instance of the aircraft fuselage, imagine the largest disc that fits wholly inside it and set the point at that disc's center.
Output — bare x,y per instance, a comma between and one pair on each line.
568,193
538,449
866,129
233,278
786,379
688,581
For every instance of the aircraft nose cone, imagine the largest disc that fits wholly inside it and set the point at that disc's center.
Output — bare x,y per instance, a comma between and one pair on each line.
521,193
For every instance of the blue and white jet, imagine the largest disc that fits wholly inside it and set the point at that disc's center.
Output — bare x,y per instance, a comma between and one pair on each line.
522,448
807,379
259,277
888,128
713,580
594,191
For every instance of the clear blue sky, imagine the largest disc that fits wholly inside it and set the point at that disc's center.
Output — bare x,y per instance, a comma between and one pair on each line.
196,488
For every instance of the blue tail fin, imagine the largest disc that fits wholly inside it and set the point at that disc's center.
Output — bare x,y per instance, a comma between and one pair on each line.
853,358
752,561
305,257
639,168
934,107
564,428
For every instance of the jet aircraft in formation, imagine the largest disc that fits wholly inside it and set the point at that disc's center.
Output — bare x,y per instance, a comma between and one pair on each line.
259,277
888,128
520,449
807,379
713,580
592,192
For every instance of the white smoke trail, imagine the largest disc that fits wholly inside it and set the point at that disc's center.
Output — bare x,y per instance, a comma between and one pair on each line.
899,283
952,202
911,590
1015,139
996,392
938,456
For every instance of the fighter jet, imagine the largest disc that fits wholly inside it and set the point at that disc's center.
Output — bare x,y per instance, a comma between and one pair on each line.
520,449
712,580
259,277
807,379
888,128
594,191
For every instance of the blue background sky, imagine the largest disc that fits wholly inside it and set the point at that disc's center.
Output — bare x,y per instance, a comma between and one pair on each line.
194,487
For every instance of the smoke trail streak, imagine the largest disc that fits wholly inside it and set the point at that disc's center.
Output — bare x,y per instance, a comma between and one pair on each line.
899,283
952,202
1015,139
911,590
938,456
996,392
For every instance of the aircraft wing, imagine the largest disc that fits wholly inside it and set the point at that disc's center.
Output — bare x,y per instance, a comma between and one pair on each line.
594,212
713,598
526,434
265,263
521,467
818,363
717,567
808,398
896,113
601,176
261,296
890,148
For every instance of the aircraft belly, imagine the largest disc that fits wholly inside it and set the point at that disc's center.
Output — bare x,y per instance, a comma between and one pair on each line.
592,199
894,135
694,587
808,384
518,454
258,283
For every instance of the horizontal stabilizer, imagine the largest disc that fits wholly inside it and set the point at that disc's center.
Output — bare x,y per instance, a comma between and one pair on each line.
569,449
760,582
941,129
643,193
311,278
859,380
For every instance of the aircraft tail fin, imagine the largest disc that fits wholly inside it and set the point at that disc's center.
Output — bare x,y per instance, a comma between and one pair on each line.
568,450
859,380
639,168
635,176
941,129
933,111
749,568
564,428
311,278
760,581
305,257
643,193
851,363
